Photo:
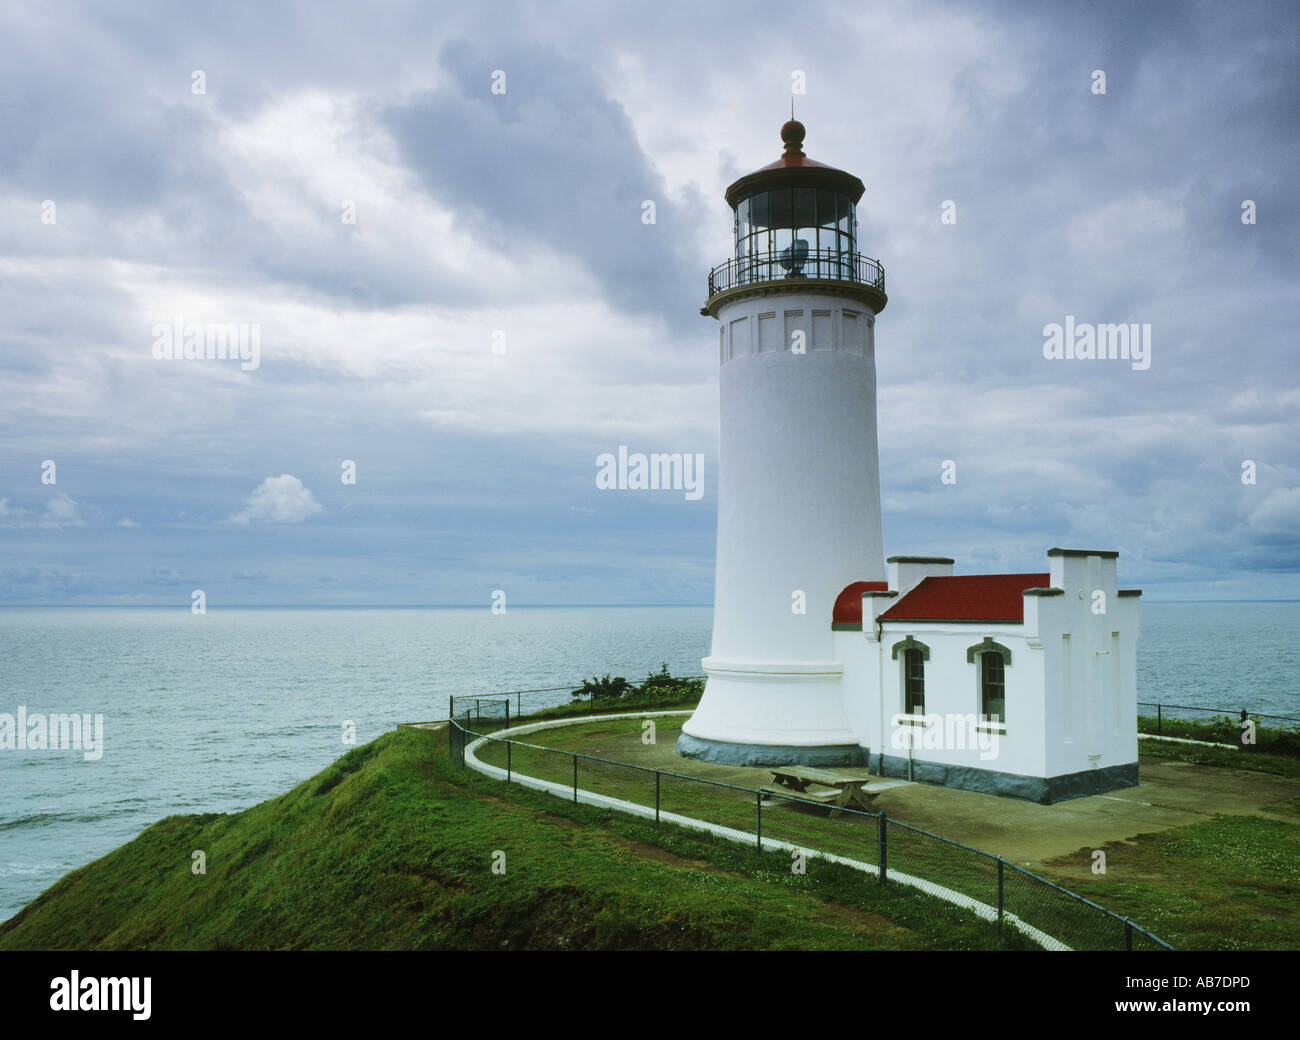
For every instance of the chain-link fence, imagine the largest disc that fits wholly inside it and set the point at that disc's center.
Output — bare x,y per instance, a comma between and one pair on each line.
1006,895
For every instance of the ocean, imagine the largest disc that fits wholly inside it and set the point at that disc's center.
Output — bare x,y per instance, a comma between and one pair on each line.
217,712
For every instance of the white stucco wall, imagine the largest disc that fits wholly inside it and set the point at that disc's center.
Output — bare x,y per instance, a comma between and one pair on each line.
1091,676
952,693
798,511
1071,687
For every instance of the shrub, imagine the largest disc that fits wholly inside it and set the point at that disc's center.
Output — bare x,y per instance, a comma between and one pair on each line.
603,689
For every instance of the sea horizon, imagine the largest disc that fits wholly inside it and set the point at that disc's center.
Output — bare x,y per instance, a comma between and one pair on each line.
220,712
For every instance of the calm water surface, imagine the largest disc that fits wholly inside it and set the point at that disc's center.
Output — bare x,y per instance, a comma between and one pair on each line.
218,712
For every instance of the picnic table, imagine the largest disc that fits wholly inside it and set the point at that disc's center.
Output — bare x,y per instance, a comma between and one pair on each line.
839,788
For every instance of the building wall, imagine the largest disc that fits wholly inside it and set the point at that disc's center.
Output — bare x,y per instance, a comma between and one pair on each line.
799,484
1091,673
952,699
1071,691
798,509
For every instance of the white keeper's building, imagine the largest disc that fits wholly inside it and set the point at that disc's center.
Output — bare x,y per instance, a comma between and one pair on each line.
1015,684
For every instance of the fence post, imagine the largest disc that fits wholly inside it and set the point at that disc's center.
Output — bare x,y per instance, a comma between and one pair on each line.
507,713
1159,720
657,775
1128,935
882,842
575,779
509,745
999,897
758,818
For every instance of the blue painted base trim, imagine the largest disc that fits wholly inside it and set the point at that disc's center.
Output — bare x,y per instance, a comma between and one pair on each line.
1044,790
770,754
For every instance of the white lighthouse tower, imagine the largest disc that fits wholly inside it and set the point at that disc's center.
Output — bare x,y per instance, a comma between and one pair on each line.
799,485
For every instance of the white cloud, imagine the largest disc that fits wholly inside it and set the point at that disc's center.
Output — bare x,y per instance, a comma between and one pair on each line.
62,512
1123,223
126,521
279,500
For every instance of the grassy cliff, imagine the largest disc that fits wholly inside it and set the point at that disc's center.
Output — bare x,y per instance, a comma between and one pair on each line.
392,847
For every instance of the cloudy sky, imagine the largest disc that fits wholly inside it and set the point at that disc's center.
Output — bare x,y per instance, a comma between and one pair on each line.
455,289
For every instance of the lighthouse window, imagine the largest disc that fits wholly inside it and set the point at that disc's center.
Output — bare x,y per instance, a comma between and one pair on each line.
846,217
993,703
826,209
805,207
914,682
779,204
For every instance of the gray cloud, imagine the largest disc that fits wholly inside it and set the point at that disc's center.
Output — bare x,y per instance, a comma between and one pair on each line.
523,211
553,163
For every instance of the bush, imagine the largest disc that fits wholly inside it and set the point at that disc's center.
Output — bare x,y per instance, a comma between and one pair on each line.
658,686
603,689
663,686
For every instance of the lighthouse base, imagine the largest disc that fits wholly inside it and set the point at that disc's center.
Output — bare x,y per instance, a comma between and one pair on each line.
727,753
772,713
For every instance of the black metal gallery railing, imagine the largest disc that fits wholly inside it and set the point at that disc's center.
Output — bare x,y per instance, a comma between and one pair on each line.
792,264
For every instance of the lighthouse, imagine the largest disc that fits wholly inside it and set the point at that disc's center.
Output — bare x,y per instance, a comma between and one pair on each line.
798,470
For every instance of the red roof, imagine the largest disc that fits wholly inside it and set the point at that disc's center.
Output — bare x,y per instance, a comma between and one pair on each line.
795,169
967,597
848,604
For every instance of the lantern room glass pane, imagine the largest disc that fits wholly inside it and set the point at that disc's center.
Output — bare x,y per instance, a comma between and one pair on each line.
805,207
779,204
826,208
768,224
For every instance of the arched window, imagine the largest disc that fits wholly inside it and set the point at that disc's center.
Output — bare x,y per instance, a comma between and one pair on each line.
913,682
993,687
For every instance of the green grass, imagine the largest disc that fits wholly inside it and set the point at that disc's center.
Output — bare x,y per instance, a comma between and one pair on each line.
1270,738
850,835
391,848
1231,883
1259,761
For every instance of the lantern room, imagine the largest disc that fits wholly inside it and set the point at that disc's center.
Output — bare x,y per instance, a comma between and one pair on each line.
796,219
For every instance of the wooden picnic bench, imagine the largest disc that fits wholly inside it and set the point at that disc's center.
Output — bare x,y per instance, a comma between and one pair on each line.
839,789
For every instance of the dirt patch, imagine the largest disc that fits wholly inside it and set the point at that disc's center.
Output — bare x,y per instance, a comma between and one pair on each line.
565,822
653,852
861,920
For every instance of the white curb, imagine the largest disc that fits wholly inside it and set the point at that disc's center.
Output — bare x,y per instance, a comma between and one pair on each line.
988,913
